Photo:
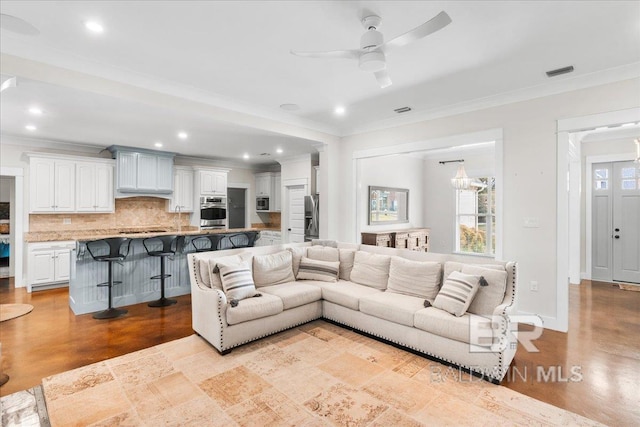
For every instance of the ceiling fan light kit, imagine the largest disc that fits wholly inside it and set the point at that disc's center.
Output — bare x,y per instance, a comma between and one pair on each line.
372,53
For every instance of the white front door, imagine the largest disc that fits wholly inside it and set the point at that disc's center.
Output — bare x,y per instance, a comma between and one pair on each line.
295,217
626,222
616,222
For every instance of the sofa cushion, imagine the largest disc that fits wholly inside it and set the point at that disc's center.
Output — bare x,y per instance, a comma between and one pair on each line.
451,266
237,281
254,308
370,269
346,263
313,269
296,255
273,268
397,308
212,276
324,242
414,278
294,294
439,322
323,253
457,292
490,296
347,294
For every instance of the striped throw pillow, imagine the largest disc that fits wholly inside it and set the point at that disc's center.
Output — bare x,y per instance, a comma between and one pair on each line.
457,292
313,269
237,280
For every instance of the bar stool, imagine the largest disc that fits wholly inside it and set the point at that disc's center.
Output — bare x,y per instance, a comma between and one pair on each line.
209,242
170,245
114,253
243,240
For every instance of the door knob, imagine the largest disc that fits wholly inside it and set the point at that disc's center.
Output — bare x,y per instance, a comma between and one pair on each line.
617,229
616,236
288,229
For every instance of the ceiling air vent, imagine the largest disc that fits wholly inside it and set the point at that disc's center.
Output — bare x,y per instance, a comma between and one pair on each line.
402,110
265,154
559,71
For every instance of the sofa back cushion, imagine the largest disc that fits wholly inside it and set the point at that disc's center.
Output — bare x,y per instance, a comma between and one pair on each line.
346,263
451,266
323,253
414,278
273,269
457,293
237,280
313,269
371,269
490,296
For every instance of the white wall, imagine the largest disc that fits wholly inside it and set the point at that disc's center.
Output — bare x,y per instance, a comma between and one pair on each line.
440,197
401,171
529,138
596,148
5,189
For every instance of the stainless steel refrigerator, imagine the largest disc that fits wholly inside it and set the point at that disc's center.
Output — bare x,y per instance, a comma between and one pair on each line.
311,215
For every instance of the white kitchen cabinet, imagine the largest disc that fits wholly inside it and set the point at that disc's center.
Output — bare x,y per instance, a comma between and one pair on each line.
143,171
94,187
49,263
52,185
277,192
263,184
183,196
213,183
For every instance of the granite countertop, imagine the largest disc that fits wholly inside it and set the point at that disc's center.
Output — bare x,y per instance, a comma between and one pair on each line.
131,232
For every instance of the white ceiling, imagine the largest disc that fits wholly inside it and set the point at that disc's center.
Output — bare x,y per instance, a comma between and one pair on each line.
235,54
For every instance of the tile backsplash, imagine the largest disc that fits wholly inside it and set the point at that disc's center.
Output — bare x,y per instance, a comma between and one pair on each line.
129,212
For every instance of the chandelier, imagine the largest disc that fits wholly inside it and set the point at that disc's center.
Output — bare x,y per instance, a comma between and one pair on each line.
461,181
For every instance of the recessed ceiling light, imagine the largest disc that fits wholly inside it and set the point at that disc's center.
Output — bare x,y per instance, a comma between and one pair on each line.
245,156
35,111
183,135
290,107
339,110
279,150
94,27
30,127
158,144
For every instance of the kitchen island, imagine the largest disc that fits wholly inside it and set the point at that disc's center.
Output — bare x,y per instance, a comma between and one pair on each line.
136,270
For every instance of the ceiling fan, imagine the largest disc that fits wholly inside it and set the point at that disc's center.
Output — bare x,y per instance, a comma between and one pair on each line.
372,53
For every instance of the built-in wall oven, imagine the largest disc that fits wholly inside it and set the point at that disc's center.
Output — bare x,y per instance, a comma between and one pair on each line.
213,212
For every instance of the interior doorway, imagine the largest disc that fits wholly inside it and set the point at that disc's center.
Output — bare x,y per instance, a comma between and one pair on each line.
616,221
237,207
295,213
15,179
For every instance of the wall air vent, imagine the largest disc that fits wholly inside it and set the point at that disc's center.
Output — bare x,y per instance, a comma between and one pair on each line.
559,71
265,154
402,110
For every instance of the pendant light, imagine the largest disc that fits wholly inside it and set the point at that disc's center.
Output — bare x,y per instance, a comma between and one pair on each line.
461,180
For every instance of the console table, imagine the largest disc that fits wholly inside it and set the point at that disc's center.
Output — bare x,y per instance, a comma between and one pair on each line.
415,239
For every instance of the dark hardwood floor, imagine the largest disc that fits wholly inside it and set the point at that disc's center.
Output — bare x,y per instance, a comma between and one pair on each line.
603,343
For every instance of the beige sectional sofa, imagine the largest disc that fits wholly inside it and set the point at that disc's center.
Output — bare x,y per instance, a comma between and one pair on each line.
404,297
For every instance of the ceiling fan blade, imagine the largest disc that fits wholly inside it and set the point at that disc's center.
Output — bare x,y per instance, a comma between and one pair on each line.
347,54
17,25
436,23
383,78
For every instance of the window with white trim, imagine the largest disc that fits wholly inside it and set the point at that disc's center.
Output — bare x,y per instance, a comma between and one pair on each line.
476,217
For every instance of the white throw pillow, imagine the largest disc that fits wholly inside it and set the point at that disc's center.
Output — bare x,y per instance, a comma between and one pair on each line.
237,281
213,270
296,255
414,278
323,253
457,293
313,269
273,269
346,263
490,296
371,269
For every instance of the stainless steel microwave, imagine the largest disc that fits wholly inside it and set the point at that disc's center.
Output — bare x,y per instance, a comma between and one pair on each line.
262,203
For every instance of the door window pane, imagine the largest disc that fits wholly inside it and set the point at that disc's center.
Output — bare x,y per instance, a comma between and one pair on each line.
602,173
628,184
628,172
602,184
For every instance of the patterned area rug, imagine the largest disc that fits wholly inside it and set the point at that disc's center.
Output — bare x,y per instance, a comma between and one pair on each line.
625,287
318,374
24,409
11,311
